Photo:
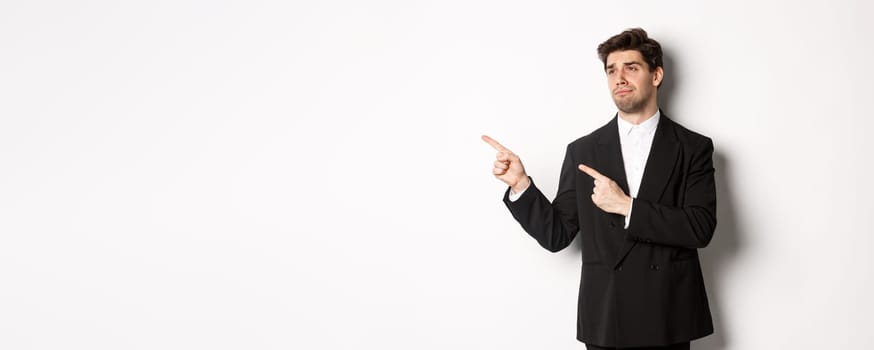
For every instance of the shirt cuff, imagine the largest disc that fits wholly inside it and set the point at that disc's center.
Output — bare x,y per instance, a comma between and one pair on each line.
628,217
513,196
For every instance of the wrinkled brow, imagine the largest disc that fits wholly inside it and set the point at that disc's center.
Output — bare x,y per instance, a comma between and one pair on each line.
612,65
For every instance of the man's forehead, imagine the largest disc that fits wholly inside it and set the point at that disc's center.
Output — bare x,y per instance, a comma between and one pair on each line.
623,57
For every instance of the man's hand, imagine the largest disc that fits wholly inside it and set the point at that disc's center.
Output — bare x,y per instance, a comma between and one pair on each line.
607,195
508,167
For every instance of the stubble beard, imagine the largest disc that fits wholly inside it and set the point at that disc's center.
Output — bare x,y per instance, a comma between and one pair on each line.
630,105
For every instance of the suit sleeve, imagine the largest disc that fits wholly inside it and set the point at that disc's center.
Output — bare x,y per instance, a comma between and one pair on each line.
691,225
553,224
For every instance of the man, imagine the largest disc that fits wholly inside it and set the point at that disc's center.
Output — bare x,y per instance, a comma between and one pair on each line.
640,191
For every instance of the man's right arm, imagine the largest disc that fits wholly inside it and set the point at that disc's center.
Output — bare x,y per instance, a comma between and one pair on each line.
553,224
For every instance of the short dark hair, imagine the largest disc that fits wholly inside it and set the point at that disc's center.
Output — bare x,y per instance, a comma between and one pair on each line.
633,39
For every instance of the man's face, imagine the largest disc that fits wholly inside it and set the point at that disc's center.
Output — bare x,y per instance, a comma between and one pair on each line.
632,84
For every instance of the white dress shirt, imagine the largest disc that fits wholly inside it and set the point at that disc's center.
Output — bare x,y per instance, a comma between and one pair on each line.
636,142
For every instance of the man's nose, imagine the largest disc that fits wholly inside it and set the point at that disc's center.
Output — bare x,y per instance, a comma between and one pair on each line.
620,78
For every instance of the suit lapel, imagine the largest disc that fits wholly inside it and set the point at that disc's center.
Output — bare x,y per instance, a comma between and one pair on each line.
609,155
659,167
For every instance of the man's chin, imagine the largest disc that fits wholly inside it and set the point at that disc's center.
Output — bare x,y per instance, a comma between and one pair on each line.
628,107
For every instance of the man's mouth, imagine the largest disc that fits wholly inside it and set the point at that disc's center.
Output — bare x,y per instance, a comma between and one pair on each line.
622,92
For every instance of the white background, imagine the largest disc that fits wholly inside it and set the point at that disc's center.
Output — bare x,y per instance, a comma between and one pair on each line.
309,175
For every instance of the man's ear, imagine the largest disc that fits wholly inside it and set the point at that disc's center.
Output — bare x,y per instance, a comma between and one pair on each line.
657,76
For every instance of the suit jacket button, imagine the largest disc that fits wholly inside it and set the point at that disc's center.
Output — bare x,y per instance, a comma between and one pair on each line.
619,268
654,267
612,224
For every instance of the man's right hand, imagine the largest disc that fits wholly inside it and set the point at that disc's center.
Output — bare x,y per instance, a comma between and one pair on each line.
508,167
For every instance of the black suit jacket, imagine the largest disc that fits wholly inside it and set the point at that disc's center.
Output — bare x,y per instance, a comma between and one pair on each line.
640,286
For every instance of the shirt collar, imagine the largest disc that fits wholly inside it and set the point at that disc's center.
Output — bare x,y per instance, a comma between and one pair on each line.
648,125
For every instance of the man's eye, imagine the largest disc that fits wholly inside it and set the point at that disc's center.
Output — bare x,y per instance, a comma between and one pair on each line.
632,68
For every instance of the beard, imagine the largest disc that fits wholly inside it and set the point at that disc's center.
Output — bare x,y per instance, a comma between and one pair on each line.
631,104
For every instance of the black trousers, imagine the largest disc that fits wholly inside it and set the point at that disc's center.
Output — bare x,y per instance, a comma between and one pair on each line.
680,346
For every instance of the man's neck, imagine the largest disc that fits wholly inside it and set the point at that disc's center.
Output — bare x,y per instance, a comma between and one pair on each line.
639,117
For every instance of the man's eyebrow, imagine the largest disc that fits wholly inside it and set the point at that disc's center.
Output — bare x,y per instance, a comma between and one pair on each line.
613,65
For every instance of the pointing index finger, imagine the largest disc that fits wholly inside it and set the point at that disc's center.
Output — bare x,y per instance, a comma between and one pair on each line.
592,172
494,143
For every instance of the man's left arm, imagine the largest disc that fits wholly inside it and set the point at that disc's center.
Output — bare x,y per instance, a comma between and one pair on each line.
691,225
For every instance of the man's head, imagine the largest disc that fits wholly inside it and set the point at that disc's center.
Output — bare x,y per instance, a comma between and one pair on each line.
633,63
